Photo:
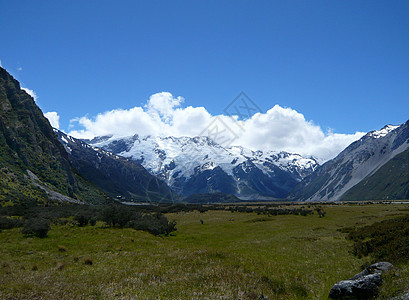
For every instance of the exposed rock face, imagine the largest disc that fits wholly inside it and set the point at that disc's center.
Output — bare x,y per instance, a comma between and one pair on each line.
363,285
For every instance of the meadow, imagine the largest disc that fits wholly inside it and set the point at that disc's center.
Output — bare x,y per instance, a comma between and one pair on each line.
216,254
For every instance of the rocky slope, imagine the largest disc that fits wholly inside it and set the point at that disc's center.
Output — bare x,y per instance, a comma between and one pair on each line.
361,170
390,182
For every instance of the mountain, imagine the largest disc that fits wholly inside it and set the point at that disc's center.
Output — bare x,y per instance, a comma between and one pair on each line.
34,166
390,182
374,167
199,165
119,177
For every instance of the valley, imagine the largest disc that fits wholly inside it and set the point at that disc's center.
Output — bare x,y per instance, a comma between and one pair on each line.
234,255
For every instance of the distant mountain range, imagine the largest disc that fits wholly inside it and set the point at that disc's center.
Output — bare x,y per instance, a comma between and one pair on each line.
199,165
375,167
41,165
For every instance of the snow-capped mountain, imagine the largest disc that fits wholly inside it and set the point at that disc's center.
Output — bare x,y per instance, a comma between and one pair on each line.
119,177
199,165
357,162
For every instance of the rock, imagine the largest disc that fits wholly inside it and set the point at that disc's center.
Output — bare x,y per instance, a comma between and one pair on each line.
379,267
363,285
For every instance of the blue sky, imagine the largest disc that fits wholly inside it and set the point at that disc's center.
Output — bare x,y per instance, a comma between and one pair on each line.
342,64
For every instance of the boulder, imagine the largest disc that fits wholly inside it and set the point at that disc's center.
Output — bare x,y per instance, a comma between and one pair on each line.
364,285
379,267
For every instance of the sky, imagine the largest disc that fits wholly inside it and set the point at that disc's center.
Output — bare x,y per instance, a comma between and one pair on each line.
318,74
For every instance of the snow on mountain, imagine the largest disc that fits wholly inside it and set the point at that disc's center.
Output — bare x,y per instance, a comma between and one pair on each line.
358,161
191,165
119,177
384,131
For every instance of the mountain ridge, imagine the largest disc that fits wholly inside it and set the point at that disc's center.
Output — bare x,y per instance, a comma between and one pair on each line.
360,160
199,165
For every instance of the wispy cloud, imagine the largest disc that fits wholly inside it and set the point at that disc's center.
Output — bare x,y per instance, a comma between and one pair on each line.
277,129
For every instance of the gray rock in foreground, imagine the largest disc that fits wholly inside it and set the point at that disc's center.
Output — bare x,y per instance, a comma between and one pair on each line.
363,285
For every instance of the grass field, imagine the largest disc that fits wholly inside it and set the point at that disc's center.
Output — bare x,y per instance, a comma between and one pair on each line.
229,256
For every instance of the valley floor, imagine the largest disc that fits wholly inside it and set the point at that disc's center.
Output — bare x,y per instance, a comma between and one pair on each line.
229,256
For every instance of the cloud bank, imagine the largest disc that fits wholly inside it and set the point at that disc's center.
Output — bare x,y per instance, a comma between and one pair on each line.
279,129
53,118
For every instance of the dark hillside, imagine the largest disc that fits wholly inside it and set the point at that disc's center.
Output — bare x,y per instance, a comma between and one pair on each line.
28,143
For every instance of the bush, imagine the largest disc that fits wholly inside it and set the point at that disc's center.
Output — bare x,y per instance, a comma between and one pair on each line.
36,227
387,240
81,219
155,224
117,216
8,223
92,221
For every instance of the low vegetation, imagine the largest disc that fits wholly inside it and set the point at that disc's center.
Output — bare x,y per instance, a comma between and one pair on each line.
387,240
217,252
36,220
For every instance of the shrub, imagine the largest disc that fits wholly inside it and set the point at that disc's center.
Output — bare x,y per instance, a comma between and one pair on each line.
36,227
8,223
81,219
386,240
92,221
155,224
117,216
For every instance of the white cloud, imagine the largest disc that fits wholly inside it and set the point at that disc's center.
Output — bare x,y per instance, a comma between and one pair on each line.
19,69
53,118
277,129
31,93
1,64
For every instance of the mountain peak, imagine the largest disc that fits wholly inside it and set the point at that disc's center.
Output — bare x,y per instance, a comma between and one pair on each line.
383,132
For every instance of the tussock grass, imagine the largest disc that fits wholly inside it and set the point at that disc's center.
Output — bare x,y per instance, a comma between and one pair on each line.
289,257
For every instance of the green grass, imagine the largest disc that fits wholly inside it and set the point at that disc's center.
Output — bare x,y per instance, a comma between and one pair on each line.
230,256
